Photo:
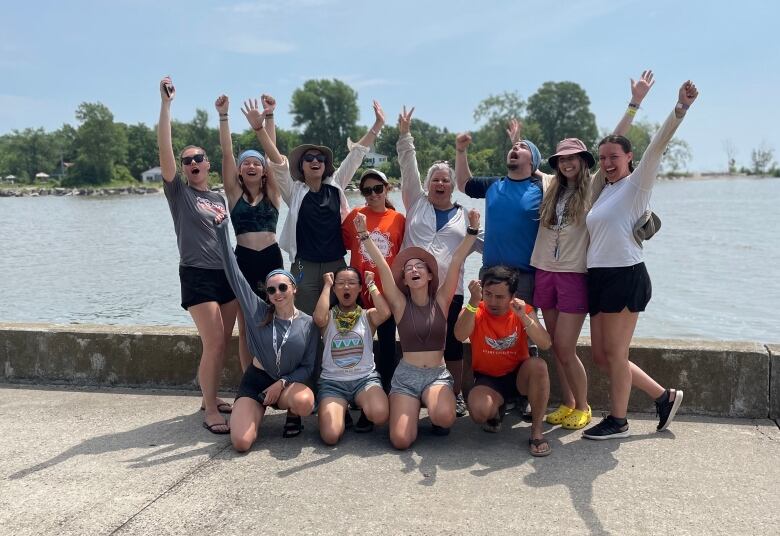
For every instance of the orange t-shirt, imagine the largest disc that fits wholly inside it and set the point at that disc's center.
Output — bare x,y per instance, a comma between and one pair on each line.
387,232
498,343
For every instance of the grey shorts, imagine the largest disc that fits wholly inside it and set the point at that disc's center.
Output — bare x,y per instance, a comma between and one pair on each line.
413,381
346,389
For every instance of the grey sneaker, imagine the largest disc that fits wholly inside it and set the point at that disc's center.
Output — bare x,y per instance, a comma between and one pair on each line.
608,428
461,410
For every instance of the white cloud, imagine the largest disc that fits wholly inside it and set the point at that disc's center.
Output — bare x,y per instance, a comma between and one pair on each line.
272,6
249,44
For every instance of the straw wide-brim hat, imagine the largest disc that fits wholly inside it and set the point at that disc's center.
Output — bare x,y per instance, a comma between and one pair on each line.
296,170
415,252
571,146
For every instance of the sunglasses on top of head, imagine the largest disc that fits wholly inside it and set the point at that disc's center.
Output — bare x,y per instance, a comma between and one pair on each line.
198,158
282,288
312,157
377,189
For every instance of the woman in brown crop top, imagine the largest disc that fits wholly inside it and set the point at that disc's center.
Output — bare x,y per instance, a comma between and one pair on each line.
410,287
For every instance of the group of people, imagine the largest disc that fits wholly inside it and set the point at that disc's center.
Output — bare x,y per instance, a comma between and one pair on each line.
568,244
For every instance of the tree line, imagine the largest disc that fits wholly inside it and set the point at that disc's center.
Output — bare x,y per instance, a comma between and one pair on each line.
99,150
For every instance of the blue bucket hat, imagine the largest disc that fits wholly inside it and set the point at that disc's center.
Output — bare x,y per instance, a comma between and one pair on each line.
250,153
536,156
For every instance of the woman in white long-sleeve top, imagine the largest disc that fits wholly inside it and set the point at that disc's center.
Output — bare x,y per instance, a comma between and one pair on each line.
437,224
283,342
313,188
618,282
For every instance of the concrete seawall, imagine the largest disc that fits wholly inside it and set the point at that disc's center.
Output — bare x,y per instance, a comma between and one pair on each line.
735,379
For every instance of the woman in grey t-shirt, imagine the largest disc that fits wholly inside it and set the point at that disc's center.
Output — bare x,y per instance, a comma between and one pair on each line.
205,291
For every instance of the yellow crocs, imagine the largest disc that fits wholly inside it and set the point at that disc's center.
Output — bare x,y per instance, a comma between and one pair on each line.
557,416
577,419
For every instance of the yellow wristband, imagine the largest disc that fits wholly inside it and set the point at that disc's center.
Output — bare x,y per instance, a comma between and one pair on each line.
372,287
470,308
631,112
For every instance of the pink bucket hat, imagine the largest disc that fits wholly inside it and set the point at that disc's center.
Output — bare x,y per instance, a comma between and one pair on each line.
571,146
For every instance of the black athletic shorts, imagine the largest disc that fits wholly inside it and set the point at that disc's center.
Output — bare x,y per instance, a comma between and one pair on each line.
256,265
201,285
253,382
505,385
610,290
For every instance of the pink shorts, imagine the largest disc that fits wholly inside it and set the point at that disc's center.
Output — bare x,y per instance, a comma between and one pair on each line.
565,291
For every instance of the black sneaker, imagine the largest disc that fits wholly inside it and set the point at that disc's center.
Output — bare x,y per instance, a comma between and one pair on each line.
666,410
363,425
494,425
461,410
608,428
439,431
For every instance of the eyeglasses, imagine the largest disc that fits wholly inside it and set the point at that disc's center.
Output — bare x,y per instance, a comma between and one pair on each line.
347,283
377,189
198,158
283,287
419,267
312,157
442,162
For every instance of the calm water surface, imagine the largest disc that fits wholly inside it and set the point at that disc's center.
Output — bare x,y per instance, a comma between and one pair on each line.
714,264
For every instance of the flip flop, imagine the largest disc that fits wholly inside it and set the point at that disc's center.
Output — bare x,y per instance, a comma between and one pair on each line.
222,407
538,443
212,428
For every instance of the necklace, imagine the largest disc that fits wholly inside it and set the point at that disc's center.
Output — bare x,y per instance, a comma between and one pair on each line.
346,320
278,351
413,314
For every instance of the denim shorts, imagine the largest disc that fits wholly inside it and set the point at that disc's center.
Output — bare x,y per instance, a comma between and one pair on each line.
413,381
346,389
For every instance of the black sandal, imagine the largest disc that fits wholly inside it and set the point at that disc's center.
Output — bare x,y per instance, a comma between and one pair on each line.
293,426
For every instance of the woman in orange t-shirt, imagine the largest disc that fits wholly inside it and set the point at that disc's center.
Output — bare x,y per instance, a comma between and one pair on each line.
386,227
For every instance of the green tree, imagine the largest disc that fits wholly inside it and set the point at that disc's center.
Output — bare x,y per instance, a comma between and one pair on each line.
141,149
561,110
100,144
328,112
761,159
28,152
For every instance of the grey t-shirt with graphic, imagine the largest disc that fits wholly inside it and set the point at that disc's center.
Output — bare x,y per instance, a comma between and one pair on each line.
193,213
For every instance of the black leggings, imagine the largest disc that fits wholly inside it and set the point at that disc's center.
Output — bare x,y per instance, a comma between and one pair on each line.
386,358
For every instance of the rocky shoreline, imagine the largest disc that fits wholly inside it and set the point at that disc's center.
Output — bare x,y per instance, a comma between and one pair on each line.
95,192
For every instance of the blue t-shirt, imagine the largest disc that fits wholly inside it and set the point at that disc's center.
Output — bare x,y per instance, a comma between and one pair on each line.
511,219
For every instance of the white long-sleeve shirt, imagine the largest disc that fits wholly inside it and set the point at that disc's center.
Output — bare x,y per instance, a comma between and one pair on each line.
420,228
294,191
612,218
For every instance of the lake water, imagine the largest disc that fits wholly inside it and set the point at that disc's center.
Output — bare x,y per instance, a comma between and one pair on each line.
113,260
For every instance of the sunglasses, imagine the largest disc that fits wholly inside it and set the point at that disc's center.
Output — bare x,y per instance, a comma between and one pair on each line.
283,287
312,157
198,158
368,190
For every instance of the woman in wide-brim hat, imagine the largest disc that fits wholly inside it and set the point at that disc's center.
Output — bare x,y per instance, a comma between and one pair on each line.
418,303
313,189
561,289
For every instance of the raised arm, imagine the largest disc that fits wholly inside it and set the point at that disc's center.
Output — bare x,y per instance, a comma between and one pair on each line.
645,173
269,105
229,170
447,289
251,305
464,326
514,130
393,295
462,170
381,309
279,171
639,90
411,187
533,328
358,151
164,140
322,310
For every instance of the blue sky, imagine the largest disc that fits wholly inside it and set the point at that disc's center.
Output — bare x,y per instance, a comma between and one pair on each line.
441,56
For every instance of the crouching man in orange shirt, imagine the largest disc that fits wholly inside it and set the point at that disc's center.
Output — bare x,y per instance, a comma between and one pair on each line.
499,326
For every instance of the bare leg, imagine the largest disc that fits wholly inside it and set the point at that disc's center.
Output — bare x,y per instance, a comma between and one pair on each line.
551,323
534,381
440,401
245,423
244,356
208,319
567,331
404,415
297,398
331,419
484,403
373,401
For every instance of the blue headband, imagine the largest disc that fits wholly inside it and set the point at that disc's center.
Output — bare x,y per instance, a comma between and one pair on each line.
250,153
280,271
536,156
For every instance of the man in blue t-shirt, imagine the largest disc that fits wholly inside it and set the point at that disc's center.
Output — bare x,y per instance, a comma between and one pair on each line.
511,209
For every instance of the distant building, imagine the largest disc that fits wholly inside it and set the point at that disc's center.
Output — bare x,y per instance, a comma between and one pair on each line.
9,179
373,159
41,177
152,175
